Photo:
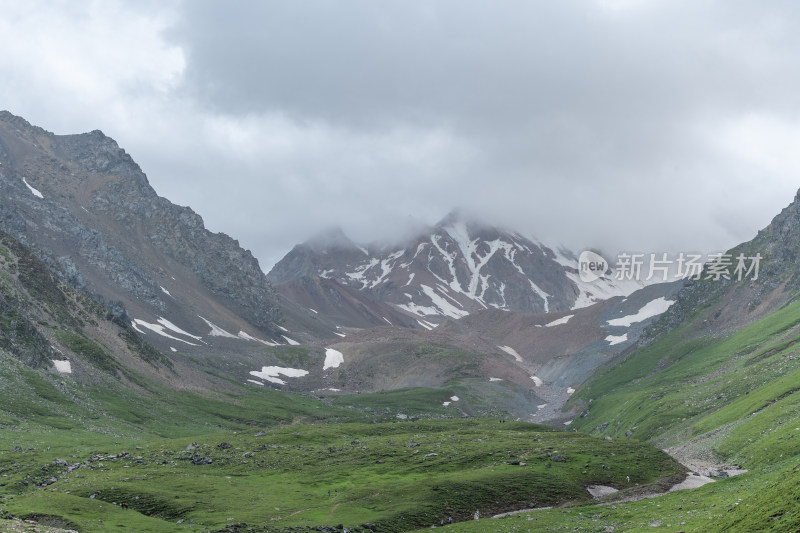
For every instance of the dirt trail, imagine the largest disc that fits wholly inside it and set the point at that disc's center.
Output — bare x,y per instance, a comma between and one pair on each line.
333,510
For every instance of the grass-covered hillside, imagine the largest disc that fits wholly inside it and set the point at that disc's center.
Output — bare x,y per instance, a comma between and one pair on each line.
729,399
712,401
392,476
736,396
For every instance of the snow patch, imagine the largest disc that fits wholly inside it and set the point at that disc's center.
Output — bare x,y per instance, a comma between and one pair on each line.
33,190
256,382
511,351
495,379
541,406
445,307
650,309
594,291
570,390
446,403
616,339
247,337
333,358
361,270
63,366
558,322
601,289
165,291
454,398
271,373
292,342
598,491
543,295
217,331
440,307
161,327
537,381
692,481
172,349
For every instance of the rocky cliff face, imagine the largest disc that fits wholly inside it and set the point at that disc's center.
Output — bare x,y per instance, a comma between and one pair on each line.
86,208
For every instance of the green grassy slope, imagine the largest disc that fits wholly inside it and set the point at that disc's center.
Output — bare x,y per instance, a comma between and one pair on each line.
767,501
730,400
740,392
397,476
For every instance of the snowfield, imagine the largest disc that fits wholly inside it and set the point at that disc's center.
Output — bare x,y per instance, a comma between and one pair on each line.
162,326
291,342
333,358
651,309
33,190
616,339
271,373
217,331
558,322
63,367
245,336
511,351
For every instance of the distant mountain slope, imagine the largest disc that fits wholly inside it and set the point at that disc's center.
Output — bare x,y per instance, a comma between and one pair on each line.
86,208
458,267
544,356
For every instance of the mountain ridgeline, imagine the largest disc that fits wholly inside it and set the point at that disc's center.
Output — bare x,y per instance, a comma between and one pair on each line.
455,268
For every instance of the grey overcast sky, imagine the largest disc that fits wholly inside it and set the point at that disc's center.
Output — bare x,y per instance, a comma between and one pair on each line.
645,125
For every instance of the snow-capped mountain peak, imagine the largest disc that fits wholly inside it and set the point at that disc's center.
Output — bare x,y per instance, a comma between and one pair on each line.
459,266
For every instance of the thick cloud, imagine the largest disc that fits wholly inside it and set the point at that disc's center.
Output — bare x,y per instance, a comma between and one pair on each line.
651,126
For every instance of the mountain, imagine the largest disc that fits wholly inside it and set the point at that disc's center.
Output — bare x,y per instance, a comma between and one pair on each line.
455,268
86,209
